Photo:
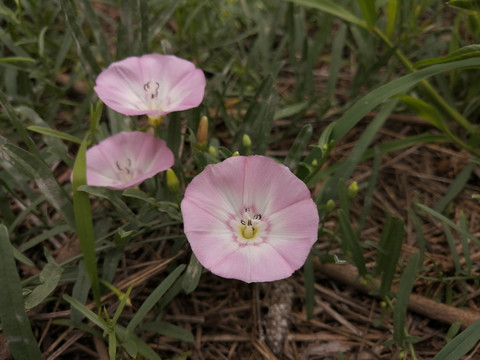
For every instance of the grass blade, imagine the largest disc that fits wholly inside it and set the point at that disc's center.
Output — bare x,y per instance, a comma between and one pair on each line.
403,295
461,344
154,298
389,252
298,147
351,242
83,219
15,323
332,8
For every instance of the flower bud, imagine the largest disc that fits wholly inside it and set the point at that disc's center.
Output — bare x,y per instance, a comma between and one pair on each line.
202,133
247,142
330,205
236,153
212,151
173,183
353,190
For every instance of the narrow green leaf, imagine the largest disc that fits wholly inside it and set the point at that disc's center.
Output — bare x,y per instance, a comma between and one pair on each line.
455,188
49,278
400,85
17,124
192,275
461,344
97,30
332,8
369,12
309,278
390,248
166,329
154,298
453,249
466,4
351,242
290,110
89,314
10,59
466,52
133,344
44,178
465,244
336,60
83,218
55,133
403,295
114,197
298,147
84,47
80,291
15,323
448,222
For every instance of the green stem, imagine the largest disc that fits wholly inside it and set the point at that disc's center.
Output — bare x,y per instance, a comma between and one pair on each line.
431,92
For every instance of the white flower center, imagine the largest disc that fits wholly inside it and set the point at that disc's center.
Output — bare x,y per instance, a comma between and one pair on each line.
125,169
250,224
151,88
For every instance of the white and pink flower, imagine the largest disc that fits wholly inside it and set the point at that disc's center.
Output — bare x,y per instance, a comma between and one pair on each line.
249,218
126,159
152,84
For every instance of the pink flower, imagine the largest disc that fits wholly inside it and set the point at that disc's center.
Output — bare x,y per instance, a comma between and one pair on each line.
249,218
126,159
151,84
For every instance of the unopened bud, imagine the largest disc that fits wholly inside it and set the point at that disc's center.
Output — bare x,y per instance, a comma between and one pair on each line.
173,184
236,153
212,151
353,190
202,133
247,142
314,163
330,205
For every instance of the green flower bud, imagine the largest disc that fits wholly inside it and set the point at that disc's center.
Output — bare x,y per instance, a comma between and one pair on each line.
353,190
173,184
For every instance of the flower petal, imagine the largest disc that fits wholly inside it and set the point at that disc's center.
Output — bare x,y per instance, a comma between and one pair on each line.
175,82
271,185
253,264
145,154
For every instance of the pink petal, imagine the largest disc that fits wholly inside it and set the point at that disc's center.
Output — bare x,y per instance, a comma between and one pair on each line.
271,185
147,155
253,264
180,85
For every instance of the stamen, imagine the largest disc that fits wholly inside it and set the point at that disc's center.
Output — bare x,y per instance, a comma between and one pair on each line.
151,89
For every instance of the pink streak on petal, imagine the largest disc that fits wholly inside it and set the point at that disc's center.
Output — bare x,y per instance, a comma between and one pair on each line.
272,186
253,264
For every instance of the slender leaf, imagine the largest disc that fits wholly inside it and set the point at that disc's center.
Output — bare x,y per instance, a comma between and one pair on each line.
461,344
403,296
89,314
455,188
333,8
466,52
44,178
298,147
166,329
369,12
466,4
154,298
15,323
55,133
49,278
192,275
83,218
351,242
309,275
390,248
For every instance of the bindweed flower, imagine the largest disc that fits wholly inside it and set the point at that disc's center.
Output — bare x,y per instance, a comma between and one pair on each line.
127,159
152,84
249,218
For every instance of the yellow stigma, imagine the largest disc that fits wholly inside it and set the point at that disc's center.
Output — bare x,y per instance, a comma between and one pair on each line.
248,231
